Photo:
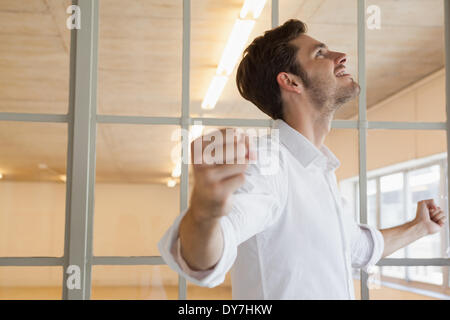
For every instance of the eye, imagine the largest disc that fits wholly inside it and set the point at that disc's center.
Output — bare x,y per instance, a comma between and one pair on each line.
319,53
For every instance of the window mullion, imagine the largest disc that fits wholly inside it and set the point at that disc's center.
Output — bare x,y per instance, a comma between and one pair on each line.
362,104
185,121
82,103
406,211
447,94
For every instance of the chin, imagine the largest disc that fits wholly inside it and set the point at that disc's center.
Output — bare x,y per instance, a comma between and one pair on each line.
358,88
348,93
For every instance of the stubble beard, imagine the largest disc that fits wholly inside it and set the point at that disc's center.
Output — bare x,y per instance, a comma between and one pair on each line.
328,99
346,94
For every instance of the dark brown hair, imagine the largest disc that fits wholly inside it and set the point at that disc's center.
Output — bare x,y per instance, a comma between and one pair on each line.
263,60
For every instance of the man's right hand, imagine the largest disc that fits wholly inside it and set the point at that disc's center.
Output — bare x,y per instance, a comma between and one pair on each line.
216,179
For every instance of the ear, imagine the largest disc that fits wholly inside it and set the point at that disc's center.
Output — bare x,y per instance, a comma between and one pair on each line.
289,82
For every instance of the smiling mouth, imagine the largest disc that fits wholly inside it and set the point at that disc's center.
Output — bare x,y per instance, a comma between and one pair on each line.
342,74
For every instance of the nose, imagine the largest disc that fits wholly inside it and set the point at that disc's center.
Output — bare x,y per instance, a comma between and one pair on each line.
341,58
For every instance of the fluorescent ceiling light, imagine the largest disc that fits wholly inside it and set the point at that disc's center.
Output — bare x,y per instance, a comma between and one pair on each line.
214,91
176,172
171,183
233,50
253,6
235,45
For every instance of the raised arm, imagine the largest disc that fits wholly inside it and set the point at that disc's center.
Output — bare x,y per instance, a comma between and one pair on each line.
429,219
200,232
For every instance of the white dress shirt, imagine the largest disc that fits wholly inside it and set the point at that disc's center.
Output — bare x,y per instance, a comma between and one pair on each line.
286,235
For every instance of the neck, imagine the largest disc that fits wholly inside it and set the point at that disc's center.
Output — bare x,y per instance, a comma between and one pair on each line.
311,123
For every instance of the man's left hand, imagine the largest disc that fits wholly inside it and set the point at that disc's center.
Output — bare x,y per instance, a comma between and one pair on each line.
429,216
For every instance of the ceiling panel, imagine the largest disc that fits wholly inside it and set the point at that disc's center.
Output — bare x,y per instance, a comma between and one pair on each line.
34,57
23,6
140,58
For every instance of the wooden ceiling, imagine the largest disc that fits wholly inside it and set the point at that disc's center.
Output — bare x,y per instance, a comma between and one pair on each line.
140,72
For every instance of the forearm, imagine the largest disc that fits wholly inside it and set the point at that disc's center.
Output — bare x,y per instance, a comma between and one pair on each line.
398,237
201,241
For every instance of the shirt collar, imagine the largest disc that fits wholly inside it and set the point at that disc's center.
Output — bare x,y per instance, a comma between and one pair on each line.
303,149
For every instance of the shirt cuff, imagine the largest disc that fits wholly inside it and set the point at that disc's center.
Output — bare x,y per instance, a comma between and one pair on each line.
377,246
184,266
170,249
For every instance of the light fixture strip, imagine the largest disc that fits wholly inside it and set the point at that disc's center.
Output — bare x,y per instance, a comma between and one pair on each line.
253,6
235,45
214,91
233,49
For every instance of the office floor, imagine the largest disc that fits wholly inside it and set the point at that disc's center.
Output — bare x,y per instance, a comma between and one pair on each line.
194,293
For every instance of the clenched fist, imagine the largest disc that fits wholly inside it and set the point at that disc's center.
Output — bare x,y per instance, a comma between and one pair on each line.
219,162
430,216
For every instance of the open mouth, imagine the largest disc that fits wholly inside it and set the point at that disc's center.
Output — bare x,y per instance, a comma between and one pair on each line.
342,73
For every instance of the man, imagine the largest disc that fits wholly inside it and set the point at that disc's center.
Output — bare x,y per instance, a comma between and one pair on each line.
285,234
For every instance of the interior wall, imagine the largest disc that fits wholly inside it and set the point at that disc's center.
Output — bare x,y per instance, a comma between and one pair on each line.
129,220
421,102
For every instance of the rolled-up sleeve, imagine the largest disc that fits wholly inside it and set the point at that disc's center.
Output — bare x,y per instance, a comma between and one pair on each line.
169,247
367,246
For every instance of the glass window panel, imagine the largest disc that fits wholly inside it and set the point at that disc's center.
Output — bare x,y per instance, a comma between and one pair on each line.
134,205
412,172
140,50
427,274
335,25
211,26
420,283
32,188
157,282
425,183
34,57
395,271
372,203
395,90
392,289
393,214
31,283
392,203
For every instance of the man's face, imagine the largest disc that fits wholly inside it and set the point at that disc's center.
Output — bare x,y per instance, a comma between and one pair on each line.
329,85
